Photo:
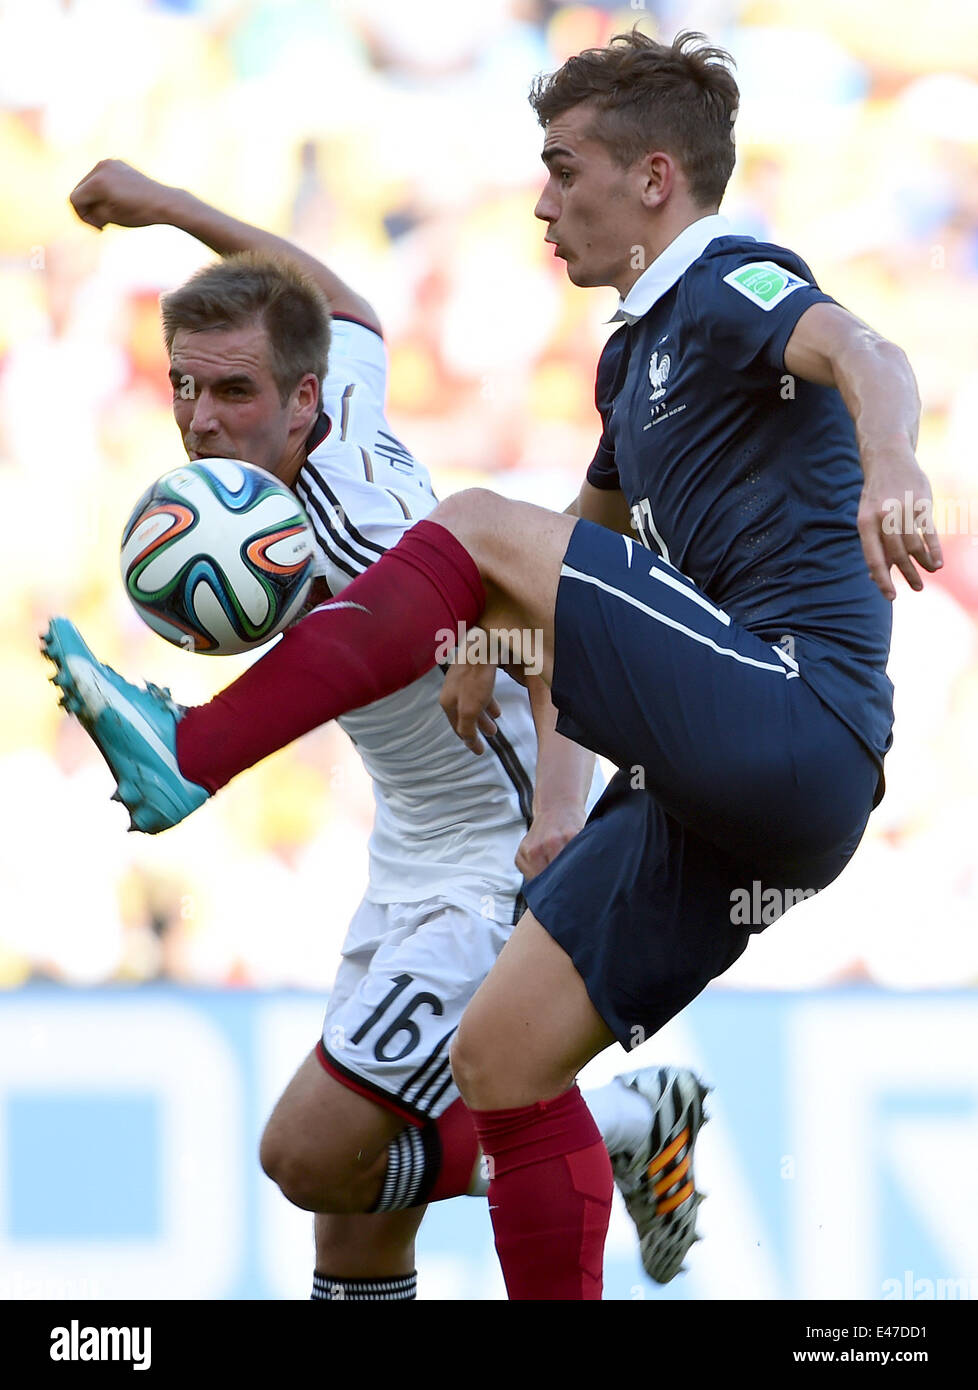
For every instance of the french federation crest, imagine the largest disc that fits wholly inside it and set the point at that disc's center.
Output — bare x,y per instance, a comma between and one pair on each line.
658,372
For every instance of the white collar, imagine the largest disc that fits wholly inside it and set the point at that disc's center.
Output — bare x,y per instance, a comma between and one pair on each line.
669,265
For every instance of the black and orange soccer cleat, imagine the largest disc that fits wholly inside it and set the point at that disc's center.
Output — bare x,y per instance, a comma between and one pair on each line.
657,1181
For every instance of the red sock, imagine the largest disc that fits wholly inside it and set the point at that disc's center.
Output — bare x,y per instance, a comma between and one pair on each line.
550,1196
379,635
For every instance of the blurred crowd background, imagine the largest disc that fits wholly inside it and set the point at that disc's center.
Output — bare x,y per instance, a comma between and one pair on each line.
393,139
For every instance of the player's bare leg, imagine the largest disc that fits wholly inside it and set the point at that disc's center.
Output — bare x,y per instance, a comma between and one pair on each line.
366,1258
367,1175
530,1027
325,1145
367,1246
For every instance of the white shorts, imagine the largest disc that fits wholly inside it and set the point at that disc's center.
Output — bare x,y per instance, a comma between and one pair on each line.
407,974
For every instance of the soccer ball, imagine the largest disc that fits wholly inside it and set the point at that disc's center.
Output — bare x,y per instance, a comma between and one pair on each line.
217,556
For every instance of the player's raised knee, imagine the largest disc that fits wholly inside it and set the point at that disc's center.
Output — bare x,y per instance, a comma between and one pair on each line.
289,1174
469,506
472,1067
308,1182
470,516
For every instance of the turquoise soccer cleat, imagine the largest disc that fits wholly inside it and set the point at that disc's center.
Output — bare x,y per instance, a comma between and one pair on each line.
134,729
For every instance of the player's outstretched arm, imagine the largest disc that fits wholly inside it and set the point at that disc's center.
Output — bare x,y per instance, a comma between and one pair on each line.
563,779
831,347
115,192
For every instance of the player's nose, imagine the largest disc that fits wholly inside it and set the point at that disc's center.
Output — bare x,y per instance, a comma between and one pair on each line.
203,420
545,208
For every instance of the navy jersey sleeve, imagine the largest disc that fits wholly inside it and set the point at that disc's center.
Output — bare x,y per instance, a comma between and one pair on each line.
602,471
747,301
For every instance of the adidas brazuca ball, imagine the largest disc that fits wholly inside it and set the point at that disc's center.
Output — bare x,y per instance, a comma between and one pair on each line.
217,556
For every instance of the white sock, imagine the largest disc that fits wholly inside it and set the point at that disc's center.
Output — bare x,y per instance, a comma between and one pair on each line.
622,1116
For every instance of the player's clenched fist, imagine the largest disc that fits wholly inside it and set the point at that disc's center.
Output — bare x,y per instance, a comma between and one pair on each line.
552,829
116,192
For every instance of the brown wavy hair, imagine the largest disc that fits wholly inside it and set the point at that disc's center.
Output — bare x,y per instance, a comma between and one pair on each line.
254,287
679,97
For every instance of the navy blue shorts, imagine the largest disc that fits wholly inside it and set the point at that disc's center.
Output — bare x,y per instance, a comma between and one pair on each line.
739,792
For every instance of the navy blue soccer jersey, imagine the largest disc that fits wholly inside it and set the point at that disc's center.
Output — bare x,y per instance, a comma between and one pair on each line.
745,479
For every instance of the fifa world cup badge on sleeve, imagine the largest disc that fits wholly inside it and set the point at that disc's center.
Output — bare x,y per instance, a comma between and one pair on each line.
763,283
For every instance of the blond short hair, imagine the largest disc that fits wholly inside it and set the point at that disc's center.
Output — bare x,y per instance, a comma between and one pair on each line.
254,287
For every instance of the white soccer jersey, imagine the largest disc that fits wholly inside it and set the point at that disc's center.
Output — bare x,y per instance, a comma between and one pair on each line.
447,823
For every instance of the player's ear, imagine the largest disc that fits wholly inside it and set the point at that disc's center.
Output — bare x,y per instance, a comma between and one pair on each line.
658,171
306,400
